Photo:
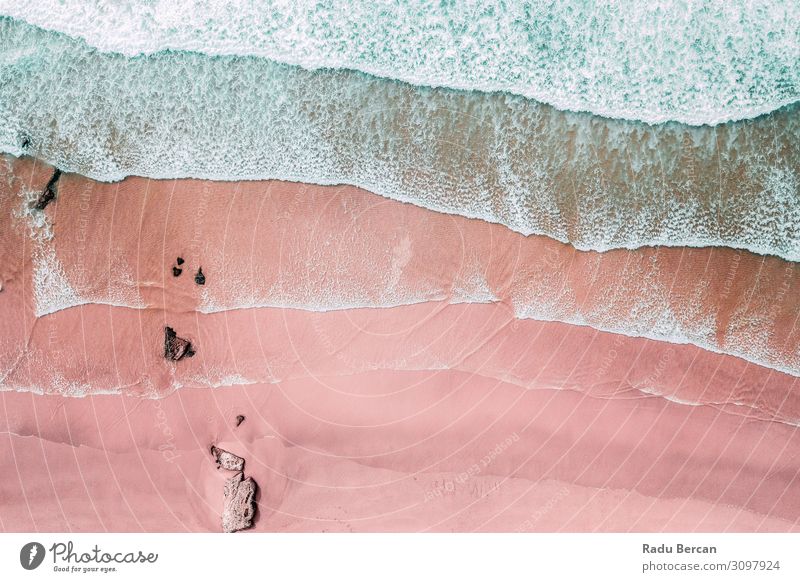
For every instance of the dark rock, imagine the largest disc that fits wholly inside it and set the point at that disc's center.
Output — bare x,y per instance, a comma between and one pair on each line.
176,348
176,271
239,419
226,460
49,192
180,260
199,278
239,506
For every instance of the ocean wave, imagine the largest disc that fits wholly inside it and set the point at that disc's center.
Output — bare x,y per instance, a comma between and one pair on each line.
596,183
298,247
697,62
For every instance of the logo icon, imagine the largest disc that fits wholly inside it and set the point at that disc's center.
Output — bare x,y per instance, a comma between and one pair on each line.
31,555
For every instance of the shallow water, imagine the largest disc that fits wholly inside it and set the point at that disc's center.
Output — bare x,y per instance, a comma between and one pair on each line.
593,182
686,60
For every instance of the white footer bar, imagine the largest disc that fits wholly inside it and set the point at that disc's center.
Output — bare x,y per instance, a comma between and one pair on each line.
401,557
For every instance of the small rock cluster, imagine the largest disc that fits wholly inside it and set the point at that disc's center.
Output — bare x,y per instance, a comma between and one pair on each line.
239,507
175,348
177,269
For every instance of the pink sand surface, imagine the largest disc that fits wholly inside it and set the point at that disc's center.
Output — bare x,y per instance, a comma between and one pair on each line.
293,245
303,246
396,451
101,349
448,408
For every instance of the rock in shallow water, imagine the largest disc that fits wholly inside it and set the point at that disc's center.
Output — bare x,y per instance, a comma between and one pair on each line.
176,348
49,192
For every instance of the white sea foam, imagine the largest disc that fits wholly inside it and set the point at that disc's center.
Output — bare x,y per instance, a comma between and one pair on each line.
51,287
694,61
471,286
54,291
598,184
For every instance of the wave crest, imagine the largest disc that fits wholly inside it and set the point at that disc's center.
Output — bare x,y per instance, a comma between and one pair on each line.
694,62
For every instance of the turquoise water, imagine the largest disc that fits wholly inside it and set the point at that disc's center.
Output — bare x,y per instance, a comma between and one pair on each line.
694,61
594,182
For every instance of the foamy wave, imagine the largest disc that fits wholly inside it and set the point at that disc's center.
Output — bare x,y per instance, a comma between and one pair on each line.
598,184
698,62
52,290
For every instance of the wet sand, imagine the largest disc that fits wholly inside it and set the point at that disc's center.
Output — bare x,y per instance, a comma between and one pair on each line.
279,244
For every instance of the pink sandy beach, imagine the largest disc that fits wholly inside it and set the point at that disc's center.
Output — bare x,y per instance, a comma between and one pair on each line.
393,364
